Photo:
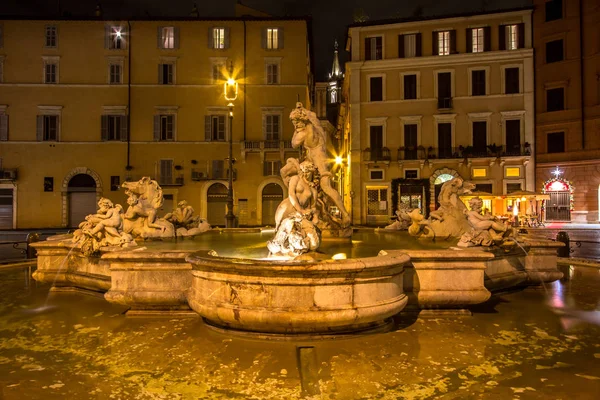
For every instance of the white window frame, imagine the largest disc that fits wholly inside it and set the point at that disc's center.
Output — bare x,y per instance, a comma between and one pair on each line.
270,111
169,61
511,35
511,115
115,111
406,38
411,120
111,31
444,119
418,74
480,117
219,111
217,62
478,40
443,39
377,170
383,87
276,61
47,30
374,48
376,121
404,170
272,38
51,60
452,83
52,111
166,42
470,85
503,78
168,110
218,37
119,61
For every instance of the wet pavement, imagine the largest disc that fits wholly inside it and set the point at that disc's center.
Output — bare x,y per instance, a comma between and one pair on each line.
539,343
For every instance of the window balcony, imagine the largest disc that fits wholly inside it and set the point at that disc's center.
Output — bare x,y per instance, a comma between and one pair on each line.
445,103
8,174
377,154
170,180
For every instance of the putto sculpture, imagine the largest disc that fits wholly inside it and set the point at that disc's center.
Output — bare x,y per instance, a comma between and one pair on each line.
403,219
301,218
485,229
105,228
185,222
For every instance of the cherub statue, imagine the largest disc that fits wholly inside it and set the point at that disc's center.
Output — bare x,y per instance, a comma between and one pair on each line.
186,224
109,219
485,228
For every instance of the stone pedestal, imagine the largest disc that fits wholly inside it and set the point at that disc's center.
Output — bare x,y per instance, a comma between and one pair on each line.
541,259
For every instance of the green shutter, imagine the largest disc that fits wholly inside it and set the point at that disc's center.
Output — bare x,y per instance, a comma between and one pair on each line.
280,37
502,37
469,40
40,128
157,128
176,36
210,37
104,128
159,42
207,131
124,132
227,38
3,127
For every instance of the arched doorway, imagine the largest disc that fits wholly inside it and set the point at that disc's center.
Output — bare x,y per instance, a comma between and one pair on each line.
559,207
272,196
216,201
81,193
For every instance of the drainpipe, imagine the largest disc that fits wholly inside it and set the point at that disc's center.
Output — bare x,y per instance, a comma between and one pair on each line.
581,47
128,92
244,80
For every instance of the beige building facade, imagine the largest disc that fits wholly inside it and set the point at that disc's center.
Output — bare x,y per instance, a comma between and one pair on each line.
567,44
433,99
88,104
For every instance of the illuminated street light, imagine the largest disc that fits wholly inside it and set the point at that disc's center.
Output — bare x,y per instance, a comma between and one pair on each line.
230,92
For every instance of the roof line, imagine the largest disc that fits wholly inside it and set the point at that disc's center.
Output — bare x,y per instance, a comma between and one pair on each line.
103,18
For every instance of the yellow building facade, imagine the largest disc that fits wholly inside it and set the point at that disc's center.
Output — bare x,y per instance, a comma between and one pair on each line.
567,44
88,104
432,99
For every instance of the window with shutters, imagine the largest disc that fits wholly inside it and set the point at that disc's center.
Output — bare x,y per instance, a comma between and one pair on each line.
218,38
478,84
554,51
477,35
164,127
115,73
114,127
50,70
51,36
374,48
214,128
48,127
273,38
271,168
115,37
165,172
410,45
218,70
556,142
410,86
166,73
443,42
272,127
272,73
555,99
376,88
512,37
166,38
3,124
512,82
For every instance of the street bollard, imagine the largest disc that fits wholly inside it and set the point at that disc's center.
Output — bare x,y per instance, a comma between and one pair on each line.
563,237
32,238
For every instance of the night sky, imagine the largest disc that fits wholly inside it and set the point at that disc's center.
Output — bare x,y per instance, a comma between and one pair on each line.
330,17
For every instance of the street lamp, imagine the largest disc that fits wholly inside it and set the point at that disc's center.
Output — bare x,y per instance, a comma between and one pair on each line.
230,92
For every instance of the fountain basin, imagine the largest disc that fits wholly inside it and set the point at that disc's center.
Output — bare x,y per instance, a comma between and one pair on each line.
291,297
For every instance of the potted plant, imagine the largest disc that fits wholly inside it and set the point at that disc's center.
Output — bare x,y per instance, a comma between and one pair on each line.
527,148
178,167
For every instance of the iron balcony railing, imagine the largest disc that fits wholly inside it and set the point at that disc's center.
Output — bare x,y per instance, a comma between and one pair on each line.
377,154
267,145
444,103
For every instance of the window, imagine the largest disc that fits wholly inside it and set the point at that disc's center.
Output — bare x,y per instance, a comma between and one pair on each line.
553,10
218,38
409,45
164,127
166,172
218,71
115,183
273,38
51,36
444,89
478,82
374,48
410,87
444,140
48,184
115,74
377,201
272,126
411,174
513,137
47,127
477,40
480,138
168,37
113,127
376,174
511,80
166,73
512,37
512,187
376,88
556,142
271,168
272,72
214,128
480,173
376,142
555,99
3,125
554,51
51,70
114,39
443,43
410,141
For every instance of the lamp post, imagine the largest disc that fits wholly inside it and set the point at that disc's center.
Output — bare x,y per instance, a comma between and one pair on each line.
230,91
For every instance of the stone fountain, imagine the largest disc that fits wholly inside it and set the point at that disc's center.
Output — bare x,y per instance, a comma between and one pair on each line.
294,290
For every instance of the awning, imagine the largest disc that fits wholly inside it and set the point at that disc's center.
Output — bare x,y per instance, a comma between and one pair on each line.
519,194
